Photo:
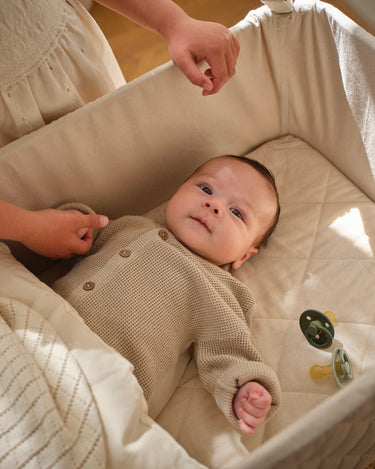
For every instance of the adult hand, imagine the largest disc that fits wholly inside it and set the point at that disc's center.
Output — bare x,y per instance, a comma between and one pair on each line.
189,40
193,41
59,233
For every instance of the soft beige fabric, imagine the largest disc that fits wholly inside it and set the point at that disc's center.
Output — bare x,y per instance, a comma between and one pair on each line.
337,433
66,399
321,256
151,299
54,59
114,153
160,127
48,412
304,271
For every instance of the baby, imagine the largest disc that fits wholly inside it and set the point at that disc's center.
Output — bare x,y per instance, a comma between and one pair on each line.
154,292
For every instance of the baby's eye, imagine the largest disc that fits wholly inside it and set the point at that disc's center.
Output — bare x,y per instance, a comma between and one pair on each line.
206,189
236,212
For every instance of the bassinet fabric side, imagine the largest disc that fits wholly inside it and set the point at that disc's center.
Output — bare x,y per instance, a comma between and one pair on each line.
323,66
160,125
113,153
329,66
345,437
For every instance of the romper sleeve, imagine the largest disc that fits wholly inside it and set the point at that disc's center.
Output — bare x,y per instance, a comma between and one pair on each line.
227,357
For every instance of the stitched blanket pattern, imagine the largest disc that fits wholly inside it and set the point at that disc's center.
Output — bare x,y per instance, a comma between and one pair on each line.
48,413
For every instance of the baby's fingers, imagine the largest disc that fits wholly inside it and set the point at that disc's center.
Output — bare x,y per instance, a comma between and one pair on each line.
250,408
249,423
245,428
258,403
260,398
259,414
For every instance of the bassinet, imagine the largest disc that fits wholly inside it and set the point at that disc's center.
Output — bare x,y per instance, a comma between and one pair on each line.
303,97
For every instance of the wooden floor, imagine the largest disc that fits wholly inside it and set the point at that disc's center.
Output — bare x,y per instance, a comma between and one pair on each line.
139,50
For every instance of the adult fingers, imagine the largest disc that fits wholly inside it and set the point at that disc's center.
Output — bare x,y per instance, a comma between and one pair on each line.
235,46
92,221
83,244
218,74
188,65
223,64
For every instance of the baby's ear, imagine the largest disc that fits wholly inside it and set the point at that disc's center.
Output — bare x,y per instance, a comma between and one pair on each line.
237,264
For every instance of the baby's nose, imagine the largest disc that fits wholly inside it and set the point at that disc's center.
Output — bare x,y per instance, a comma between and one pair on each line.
214,207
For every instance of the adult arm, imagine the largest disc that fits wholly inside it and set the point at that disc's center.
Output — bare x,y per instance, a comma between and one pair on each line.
50,233
189,40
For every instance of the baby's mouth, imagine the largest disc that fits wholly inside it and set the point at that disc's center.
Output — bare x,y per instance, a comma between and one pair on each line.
202,222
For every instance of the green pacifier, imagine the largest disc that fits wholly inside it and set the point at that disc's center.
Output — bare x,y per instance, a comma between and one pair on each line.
318,327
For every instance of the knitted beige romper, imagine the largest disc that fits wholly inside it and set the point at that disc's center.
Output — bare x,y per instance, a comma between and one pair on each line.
152,299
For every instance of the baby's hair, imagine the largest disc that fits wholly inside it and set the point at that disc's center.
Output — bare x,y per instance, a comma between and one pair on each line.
266,173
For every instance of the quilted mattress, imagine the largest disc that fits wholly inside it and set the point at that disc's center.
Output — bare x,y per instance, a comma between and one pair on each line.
319,142
320,257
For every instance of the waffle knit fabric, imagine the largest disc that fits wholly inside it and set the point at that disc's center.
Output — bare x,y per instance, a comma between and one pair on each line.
150,298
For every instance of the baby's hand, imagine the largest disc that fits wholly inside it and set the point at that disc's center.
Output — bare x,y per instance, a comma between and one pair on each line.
251,405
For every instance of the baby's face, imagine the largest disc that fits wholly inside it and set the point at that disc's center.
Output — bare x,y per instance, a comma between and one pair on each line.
222,211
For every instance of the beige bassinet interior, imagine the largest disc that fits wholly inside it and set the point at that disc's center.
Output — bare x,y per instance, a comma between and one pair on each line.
302,101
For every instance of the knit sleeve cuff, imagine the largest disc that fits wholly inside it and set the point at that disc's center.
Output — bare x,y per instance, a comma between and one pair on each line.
237,376
77,206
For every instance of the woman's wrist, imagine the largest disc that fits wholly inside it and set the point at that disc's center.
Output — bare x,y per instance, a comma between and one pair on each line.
16,222
171,22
